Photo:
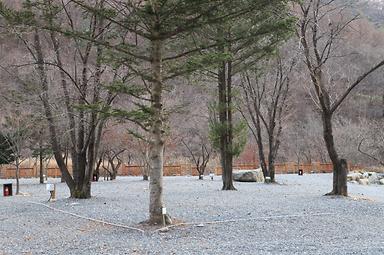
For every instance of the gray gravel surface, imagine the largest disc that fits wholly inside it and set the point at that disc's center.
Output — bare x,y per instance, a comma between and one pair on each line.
291,218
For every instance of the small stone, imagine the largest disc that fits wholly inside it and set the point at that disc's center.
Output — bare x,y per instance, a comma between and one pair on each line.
163,230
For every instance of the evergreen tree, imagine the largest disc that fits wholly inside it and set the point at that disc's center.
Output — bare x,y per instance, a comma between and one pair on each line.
244,42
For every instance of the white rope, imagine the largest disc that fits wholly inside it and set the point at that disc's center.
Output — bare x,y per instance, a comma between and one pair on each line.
186,223
87,218
243,219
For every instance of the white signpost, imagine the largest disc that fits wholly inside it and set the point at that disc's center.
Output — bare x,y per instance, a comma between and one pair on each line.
51,187
164,212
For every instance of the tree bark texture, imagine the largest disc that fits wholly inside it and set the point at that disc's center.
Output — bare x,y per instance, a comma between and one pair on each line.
41,172
225,121
157,140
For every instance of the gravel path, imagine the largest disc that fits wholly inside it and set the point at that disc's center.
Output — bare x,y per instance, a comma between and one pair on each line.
291,218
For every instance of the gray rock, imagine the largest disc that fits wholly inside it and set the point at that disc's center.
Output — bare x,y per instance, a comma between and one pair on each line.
248,175
373,178
354,176
381,182
364,181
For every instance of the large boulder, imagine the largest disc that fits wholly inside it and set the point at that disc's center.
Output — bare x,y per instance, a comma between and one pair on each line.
381,181
255,175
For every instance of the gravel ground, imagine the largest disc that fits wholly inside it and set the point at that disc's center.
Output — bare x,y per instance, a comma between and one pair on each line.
291,218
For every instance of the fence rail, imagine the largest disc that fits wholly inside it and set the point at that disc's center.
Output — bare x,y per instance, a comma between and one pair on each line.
7,171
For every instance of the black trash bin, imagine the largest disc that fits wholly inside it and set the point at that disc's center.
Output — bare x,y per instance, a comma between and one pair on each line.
7,189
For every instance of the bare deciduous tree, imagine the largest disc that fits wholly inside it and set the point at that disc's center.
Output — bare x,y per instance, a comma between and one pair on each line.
199,150
320,29
16,131
264,106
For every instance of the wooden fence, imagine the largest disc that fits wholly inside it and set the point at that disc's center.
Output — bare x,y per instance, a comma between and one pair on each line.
7,171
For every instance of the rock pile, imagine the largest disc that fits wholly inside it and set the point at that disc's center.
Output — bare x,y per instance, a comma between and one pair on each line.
366,178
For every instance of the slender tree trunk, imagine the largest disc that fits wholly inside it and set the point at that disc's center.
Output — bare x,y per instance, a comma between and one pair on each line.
97,168
17,175
157,142
115,168
201,172
263,164
48,113
229,178
113,174
66,162
223,121
146,167
273,147
94,130
259,140
41,167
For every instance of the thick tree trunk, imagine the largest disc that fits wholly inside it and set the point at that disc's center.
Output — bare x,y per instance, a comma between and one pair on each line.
82,188
342,179
156,179
81,191
339,166
225,119
157,142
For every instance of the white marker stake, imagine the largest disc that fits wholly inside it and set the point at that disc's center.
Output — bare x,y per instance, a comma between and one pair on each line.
52,189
